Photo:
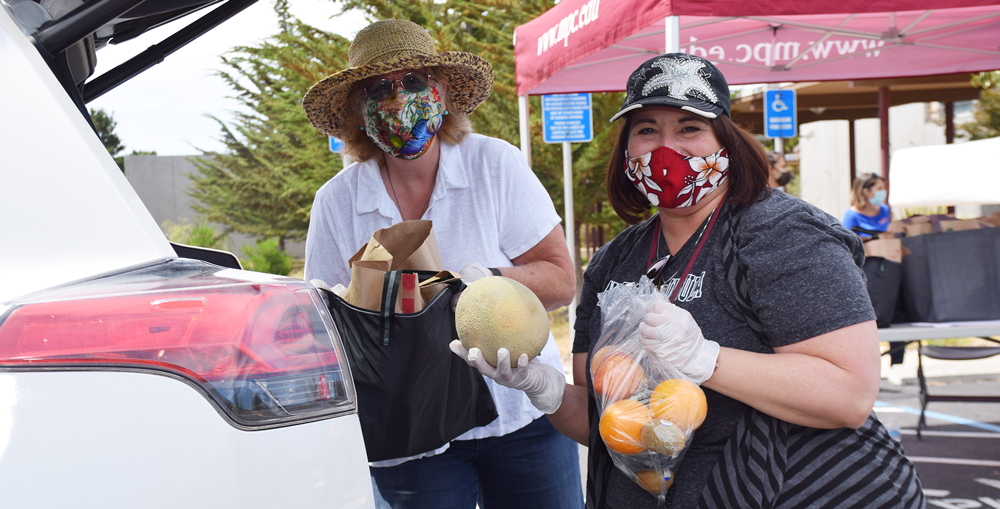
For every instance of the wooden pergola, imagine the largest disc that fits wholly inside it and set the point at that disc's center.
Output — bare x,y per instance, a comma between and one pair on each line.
857,99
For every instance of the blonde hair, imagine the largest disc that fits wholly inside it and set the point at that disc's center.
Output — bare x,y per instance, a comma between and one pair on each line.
862,183
455,126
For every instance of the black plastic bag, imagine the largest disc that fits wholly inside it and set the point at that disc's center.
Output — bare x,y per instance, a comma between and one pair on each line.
952,276
414,394
885,280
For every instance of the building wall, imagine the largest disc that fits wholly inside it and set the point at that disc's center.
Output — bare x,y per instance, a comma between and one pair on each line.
162,183
824,152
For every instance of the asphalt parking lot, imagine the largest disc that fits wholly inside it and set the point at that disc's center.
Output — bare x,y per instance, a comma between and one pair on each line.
958,459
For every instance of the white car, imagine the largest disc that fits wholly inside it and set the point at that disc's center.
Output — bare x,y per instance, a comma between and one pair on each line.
131,377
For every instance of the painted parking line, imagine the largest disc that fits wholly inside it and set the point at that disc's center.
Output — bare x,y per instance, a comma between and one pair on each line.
954,461
940,416
950,434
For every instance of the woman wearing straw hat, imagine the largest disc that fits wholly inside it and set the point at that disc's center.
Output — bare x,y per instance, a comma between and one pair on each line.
764,305
402,111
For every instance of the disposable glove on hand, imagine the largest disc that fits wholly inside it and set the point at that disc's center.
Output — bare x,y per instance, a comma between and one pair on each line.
471,272
543,384
319,283
671,334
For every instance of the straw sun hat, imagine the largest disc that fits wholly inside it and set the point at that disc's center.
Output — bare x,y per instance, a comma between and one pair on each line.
390,45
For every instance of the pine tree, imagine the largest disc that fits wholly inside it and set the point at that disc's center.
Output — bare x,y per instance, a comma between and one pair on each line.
264,182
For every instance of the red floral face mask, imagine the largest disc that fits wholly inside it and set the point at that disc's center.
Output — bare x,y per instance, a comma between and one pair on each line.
672,180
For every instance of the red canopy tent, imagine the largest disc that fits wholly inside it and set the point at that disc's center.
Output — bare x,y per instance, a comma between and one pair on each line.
590,46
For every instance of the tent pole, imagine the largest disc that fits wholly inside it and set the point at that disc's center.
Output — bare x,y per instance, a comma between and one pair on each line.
570,220
672,34
525,125
883,119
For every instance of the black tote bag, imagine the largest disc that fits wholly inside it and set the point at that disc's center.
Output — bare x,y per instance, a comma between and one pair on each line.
952,276
414,394
885,282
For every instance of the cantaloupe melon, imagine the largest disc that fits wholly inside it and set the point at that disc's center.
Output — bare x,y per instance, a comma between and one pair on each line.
496,312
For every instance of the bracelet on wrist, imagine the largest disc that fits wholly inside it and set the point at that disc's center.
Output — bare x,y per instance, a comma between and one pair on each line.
495,271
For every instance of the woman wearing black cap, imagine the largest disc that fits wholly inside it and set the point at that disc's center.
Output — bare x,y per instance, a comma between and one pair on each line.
770,315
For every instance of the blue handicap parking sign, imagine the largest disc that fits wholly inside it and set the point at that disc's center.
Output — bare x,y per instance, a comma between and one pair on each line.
780,120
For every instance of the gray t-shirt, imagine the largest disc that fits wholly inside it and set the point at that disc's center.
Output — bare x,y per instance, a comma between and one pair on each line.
803,279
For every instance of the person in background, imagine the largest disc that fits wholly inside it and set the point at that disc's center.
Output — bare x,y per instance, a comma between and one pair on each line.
868,208
402,109
771,317
869,212
780,174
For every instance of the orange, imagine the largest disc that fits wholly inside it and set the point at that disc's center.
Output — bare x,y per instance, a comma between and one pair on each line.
617,376
679,401
663,438
597,358
621,426
650,481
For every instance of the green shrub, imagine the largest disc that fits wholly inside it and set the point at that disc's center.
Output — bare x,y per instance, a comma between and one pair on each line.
203,234
200,234
266,257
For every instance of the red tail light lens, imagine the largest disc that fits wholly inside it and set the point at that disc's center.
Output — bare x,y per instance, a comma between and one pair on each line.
263,348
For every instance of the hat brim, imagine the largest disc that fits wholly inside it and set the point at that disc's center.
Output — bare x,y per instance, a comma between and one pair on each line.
469,77
703,108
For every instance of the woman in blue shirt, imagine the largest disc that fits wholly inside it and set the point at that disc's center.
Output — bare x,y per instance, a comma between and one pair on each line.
868,209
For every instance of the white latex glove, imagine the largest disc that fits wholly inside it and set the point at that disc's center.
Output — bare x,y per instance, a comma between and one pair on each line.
543,384
339,290
671,334
471,272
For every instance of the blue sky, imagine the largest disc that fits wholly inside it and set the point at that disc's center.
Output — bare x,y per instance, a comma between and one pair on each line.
167,108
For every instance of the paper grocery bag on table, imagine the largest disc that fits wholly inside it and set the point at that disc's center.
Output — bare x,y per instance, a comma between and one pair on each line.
405,246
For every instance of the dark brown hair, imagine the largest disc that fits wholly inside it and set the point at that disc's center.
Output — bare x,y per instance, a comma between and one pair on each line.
749,169
858,187
455,126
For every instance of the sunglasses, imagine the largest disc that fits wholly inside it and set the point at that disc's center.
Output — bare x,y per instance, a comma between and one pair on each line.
382,89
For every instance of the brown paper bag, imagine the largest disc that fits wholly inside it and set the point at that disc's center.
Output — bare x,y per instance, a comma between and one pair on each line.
409,245
922,228
890,249
960,225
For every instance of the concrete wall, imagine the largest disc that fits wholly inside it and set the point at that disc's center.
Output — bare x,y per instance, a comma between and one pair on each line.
162,183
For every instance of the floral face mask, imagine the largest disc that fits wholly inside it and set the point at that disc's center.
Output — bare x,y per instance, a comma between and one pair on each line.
404,124
671,180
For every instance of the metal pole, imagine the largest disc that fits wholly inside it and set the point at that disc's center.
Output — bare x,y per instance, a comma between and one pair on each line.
570,222
524,122
672,34
779,143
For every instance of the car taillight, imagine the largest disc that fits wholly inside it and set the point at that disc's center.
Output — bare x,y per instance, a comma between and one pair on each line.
263,348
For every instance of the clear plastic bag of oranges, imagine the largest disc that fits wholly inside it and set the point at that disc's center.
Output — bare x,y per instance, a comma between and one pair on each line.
649,410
